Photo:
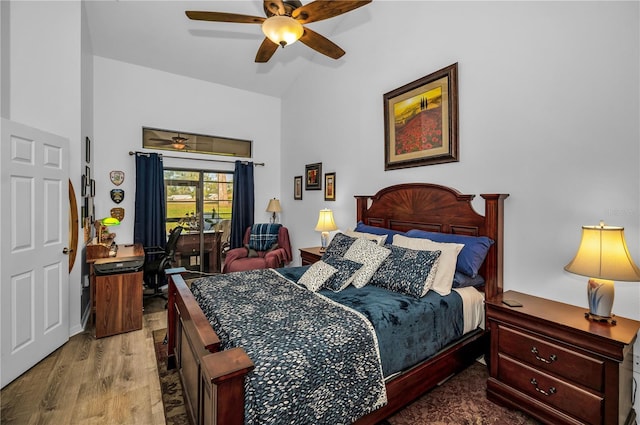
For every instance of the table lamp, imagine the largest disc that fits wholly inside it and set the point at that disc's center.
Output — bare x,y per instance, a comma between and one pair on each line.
274,207
101,227
603,257
325,225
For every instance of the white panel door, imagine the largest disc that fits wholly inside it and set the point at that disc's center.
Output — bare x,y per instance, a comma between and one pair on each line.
34,228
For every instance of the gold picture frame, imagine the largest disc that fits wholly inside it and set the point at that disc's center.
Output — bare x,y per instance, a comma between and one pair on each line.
297,188
421,121
330,186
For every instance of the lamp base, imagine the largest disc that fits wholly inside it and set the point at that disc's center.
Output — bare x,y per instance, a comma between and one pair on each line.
601,319
600,294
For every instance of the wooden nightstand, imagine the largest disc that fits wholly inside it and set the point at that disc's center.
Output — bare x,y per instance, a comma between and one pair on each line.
550,362
310,255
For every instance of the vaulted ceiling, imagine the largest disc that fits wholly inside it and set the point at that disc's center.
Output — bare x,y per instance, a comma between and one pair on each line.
157,34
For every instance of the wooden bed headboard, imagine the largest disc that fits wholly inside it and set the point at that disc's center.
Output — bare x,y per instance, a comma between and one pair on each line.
441,209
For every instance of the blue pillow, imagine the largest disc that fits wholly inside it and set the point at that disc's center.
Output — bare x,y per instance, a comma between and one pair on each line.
461,280
365,228
472,255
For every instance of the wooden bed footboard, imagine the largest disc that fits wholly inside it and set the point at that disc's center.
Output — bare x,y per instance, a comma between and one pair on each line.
212,380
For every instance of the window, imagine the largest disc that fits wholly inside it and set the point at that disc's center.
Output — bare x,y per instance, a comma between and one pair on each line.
169,140
192,193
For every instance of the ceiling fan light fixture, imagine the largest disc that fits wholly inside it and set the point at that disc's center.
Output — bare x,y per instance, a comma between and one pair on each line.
178,145
282,30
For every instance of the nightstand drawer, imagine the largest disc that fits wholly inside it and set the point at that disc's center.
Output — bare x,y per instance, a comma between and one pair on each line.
546,356
575,401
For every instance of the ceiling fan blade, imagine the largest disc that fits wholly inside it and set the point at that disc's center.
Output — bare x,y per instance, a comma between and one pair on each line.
223,17
275,7
161,140
324,9
321,44
266,50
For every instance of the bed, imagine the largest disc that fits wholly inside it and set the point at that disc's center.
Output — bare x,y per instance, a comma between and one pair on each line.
213,376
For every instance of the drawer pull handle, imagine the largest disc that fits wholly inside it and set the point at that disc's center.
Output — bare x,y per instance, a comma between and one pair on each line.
551,391
552,358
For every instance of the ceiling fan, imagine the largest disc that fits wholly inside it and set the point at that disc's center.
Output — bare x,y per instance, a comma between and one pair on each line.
284,23
177,142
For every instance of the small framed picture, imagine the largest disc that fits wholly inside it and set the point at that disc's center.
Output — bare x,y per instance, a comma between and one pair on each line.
87,150
297,188
92,193
313,175
330,187
87,175
83,186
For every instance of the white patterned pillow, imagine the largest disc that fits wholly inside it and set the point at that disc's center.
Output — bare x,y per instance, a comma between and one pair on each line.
446,263
379,239
316,275
370,255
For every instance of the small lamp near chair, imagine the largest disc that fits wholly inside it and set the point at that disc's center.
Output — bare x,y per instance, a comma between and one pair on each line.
274,207
603,257
325,225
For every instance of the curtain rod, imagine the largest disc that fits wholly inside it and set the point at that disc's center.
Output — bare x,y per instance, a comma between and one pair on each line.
194,159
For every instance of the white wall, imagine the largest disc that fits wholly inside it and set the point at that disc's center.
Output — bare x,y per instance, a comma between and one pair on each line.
549,110
129,97
45,74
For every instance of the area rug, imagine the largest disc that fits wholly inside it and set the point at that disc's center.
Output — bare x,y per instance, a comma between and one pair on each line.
461,400
174,410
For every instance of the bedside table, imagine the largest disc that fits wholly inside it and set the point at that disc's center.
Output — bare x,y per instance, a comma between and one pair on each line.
310,255
550,362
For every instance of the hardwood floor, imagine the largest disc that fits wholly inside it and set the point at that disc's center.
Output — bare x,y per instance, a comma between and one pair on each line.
111,380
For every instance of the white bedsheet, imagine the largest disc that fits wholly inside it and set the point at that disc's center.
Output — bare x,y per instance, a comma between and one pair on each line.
472,308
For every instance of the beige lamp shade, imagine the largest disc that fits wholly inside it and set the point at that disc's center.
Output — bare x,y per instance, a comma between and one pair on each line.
282,30
274,207
325,221
603,254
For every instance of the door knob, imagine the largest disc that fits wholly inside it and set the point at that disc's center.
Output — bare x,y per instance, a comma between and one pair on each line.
66,250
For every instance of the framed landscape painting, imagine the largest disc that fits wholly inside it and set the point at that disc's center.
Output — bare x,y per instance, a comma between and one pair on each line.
421,121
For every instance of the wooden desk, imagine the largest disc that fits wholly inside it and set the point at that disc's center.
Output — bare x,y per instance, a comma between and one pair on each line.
189,245
116,299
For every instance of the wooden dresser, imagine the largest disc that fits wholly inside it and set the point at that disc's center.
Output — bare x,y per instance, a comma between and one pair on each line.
549,361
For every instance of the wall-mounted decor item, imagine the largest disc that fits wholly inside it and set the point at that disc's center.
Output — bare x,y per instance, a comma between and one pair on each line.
83,186
421,121
87,150
117,212
117,195
92,192
169,140
313,176
330,187
297,187
117,177
87,176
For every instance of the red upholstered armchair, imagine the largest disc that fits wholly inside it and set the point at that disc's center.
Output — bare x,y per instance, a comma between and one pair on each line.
240,259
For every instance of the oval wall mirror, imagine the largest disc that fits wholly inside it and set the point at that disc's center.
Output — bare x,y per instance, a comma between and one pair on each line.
73,226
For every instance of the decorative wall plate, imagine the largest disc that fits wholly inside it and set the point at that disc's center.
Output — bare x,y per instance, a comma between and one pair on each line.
117,212
117,177
117,195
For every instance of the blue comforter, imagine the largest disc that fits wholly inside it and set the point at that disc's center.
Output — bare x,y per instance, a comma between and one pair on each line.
409,330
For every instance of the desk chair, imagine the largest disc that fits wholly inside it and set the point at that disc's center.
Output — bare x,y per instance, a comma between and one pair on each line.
157,260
